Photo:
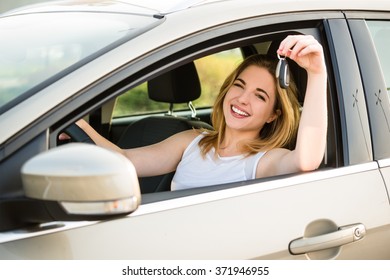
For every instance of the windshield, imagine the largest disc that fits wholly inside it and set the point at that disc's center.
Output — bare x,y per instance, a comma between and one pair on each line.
36,47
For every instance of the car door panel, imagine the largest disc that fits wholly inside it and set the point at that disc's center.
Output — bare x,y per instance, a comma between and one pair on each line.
372,55
257,221
385,170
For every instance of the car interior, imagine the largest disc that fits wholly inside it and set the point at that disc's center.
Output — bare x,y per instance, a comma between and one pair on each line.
171,87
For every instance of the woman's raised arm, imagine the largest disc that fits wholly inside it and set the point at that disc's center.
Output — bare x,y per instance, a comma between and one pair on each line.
311,138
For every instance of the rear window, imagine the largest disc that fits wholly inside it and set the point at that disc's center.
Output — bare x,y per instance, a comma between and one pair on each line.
380,32
37,47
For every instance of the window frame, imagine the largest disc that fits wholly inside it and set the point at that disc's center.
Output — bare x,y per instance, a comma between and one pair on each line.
373,81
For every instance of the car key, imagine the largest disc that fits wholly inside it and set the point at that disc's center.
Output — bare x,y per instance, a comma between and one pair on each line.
282,72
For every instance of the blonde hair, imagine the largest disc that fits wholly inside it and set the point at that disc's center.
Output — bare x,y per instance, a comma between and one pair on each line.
280,133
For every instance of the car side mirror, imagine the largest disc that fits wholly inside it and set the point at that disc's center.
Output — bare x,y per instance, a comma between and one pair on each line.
80,181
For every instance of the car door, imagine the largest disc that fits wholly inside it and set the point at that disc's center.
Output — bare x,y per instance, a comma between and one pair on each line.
340,211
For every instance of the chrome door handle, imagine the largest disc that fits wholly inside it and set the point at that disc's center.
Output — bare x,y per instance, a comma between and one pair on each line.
344,235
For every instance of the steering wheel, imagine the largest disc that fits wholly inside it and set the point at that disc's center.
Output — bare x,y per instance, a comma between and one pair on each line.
77,134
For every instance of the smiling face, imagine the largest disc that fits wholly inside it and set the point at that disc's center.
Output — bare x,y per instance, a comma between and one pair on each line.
250,101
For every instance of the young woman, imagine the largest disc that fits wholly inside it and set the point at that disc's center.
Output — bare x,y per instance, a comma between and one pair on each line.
255,120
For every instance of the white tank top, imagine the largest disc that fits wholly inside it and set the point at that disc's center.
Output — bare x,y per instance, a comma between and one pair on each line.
196,171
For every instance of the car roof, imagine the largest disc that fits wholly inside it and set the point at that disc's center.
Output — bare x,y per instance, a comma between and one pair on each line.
151,7
125,6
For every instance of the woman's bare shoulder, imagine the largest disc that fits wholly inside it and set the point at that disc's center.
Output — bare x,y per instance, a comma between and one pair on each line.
176,144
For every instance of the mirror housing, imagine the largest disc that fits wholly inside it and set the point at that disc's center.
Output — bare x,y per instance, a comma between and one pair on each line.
80,181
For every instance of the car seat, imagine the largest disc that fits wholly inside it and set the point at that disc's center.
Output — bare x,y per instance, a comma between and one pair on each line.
180,85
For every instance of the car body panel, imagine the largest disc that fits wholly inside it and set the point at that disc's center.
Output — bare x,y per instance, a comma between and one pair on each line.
385,169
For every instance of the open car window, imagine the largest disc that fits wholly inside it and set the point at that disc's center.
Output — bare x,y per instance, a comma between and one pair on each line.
135,104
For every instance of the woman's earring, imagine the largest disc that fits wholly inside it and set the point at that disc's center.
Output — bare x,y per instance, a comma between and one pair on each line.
283,72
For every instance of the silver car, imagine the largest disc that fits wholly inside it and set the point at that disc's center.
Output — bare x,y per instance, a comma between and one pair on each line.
140,71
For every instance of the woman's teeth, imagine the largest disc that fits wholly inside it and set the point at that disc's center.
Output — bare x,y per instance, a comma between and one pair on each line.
238,111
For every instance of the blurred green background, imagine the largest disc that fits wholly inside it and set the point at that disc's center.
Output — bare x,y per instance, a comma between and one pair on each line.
212,72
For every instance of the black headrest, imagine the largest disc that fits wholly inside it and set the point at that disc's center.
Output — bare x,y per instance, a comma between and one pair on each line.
180,85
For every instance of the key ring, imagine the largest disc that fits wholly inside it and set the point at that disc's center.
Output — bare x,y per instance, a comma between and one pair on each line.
281,57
